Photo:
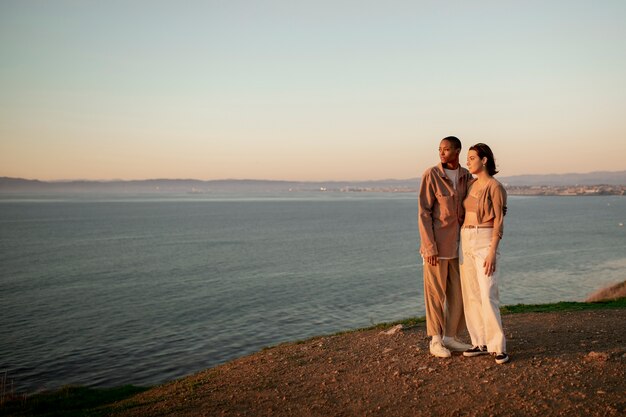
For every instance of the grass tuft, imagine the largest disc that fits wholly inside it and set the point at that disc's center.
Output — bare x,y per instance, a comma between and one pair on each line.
70,401
563,306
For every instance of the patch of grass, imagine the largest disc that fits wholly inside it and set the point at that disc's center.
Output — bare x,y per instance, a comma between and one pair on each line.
563,306
509,309
70,401
513,309
410,322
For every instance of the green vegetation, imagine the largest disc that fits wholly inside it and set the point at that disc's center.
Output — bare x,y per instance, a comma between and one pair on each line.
519,308
563,306
69,401
75,401
410,322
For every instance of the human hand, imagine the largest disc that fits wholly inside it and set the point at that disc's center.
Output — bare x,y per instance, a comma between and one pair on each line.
431,260
490,264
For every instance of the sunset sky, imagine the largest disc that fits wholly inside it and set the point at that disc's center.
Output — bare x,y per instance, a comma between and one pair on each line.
307,90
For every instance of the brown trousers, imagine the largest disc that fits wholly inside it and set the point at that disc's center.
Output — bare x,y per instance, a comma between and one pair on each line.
443,298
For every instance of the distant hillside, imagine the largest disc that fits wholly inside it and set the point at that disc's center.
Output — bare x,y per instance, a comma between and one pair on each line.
591,178
19,185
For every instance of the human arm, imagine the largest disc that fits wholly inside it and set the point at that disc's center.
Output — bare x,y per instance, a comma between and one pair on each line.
497,196
426,202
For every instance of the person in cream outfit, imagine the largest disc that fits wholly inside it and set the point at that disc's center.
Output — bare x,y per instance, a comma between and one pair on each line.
485,207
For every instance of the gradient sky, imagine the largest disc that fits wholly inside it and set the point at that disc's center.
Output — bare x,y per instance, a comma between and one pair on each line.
307,90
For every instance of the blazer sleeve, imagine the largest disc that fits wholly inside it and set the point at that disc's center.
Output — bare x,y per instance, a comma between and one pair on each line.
498,199
426,202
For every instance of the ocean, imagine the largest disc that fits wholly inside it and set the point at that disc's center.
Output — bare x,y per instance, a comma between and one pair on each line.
110,290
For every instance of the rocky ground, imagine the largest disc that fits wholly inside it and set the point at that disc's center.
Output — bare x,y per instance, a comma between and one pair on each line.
562,363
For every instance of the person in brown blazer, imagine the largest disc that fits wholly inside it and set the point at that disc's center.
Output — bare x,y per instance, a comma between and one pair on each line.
440,215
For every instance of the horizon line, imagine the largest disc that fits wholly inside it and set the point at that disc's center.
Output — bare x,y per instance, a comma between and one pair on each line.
284,180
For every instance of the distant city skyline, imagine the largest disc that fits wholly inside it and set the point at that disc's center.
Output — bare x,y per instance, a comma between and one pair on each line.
307,91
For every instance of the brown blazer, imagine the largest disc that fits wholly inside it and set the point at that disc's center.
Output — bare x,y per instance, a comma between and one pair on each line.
440,212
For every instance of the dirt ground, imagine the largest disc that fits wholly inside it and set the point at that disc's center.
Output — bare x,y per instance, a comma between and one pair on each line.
565,363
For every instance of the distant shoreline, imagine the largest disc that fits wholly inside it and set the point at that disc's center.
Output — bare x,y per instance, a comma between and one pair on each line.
529,191
595,190
599,183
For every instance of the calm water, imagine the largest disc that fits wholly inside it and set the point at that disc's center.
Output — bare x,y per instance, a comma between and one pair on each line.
112,291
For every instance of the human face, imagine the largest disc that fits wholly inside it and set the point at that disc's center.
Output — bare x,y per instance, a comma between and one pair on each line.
474,163
448,154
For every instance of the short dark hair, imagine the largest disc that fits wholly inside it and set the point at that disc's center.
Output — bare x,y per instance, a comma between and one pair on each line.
484,151
456,142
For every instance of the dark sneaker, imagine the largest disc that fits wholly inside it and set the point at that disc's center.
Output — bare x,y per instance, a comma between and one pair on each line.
502,358
475,351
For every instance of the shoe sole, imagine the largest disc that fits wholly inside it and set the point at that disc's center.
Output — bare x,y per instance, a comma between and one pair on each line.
441,355
472,354
501,361
451,349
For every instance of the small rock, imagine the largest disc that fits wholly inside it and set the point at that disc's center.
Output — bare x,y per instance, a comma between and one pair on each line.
387,350
395,329
597,356
600,392
421,368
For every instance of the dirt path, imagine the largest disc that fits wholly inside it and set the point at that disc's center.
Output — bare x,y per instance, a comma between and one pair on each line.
570,364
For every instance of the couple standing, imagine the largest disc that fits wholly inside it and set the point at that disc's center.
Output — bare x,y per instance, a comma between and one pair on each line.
461,288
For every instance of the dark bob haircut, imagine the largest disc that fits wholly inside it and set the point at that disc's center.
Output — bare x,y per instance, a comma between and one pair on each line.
484,151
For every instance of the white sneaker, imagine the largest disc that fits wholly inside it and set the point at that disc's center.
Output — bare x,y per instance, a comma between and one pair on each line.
454,345
439,350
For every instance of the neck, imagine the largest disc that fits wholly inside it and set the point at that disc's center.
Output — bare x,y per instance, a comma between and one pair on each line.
483,176
451,165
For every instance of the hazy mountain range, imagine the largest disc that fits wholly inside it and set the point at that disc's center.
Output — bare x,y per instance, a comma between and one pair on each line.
20,185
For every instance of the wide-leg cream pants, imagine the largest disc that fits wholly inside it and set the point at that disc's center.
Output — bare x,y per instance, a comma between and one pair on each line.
481,300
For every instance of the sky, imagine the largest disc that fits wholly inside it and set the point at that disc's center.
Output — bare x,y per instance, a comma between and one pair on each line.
307,90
